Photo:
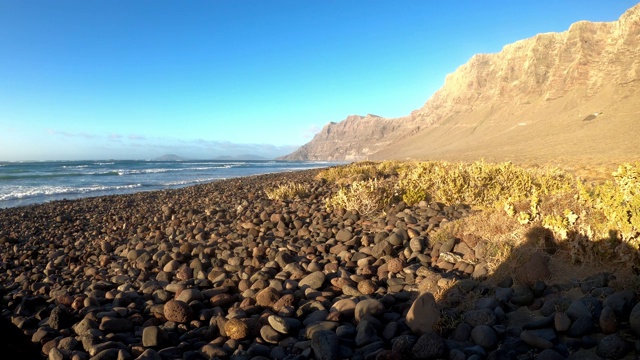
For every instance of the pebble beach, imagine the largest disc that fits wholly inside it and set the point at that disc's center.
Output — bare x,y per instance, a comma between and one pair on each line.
219,271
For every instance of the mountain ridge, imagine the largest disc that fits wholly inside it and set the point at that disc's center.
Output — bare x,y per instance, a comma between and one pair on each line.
527,101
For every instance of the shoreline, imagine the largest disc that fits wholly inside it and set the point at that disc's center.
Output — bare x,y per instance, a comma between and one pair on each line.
219,270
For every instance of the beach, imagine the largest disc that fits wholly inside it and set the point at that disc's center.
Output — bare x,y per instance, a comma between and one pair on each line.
220,271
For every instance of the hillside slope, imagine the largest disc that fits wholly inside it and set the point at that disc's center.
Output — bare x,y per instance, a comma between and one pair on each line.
574,94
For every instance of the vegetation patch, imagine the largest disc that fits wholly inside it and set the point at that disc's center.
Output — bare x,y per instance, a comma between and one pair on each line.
287,191
591,222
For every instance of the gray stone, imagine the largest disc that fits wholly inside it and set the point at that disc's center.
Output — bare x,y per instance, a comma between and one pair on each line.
325,345
549,354
634,319
581,326
269,335
479,317
149,354
429,346
115,325
313,280
371,307
484,336
621,303
532,338
613,347
577,310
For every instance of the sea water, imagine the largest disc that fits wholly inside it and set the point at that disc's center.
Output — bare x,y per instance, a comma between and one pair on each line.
24,183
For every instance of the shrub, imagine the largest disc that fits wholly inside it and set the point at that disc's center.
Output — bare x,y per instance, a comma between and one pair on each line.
286,191
367,197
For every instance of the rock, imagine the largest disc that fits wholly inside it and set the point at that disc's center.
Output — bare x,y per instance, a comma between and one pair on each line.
621,303
178,311
577,310
549,354
522,296
423,314
371,307
313,280
189,295
279,324
149,354
153,336
429,346
484,336
561,322
581,326
479,317
609,323
613,347
115,325
634,319
325,345
236,329
532,338
344,235
269,335
267,297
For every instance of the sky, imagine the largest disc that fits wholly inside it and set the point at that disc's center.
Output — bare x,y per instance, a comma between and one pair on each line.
121,79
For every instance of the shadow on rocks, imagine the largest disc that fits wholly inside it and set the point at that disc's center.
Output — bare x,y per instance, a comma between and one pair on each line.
520,314
14,344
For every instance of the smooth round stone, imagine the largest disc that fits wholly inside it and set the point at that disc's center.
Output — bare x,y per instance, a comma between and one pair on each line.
189,295
313,280
371,307
634,319
278,324
561,322
608,321
577,310
582,326
534,340
325,345
613,347
484,336
549,354
423,314
269,335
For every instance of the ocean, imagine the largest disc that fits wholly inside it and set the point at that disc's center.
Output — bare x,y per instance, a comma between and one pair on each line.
24,183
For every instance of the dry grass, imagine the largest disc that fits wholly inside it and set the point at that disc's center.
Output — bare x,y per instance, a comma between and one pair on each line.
585,224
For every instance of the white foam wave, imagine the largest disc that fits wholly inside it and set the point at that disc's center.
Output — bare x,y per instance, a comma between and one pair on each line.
189,182
22,192
103,163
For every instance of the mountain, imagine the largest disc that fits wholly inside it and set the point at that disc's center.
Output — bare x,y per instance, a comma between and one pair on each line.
240,157
574,94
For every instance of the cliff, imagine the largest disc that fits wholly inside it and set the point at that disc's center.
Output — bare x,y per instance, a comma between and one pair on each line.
530,100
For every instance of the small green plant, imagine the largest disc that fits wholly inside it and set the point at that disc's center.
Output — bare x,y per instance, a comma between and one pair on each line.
286,191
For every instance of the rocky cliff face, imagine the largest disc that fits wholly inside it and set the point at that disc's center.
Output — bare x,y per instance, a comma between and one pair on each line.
527,98
355,138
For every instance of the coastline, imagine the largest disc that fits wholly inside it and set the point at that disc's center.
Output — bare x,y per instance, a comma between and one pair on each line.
219,270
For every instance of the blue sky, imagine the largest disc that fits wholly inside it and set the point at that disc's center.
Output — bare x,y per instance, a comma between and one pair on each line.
139,79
